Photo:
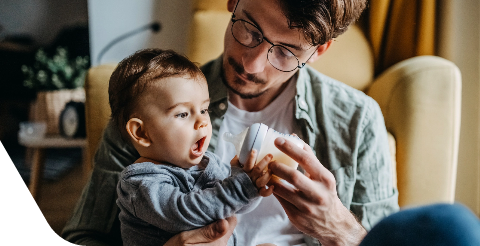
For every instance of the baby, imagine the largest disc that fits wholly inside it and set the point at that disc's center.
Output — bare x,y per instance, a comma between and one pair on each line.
159,102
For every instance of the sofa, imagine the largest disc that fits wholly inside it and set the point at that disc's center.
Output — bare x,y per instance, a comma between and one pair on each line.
420,99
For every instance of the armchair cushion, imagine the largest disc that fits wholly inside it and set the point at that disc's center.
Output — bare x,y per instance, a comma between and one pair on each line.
206,41
349,59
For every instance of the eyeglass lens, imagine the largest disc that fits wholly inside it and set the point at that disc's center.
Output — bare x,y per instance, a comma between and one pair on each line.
249,35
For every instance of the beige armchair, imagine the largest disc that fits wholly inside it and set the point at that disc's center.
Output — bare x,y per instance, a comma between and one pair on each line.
419,97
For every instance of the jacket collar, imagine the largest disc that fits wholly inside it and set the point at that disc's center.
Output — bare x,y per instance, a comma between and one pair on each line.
304,101
216,87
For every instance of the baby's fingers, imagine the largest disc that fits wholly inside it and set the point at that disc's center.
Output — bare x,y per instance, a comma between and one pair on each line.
266,192
260,168
247,167
262,164
263,180
234,162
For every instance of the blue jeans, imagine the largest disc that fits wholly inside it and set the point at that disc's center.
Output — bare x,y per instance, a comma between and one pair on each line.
432,225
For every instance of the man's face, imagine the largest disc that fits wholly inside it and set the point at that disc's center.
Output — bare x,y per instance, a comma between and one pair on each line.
247,71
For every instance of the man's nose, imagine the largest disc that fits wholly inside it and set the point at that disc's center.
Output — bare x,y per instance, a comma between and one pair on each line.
255,59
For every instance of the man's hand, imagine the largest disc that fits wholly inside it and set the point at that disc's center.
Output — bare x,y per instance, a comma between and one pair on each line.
312,205
215,234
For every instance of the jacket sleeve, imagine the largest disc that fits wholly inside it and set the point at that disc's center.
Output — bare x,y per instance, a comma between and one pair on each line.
95,217
374,196
159,202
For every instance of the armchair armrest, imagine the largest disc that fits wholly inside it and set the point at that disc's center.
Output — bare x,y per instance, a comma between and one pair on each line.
97,108
420,99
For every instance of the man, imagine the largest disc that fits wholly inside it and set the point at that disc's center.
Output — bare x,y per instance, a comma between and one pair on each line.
261,78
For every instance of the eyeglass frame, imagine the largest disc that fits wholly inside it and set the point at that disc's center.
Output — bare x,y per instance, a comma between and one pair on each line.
234,20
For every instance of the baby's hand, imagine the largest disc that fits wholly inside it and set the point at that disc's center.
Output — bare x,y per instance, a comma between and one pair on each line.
258,173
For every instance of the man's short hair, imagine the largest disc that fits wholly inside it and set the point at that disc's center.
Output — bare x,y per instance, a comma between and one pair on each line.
322,20
136,72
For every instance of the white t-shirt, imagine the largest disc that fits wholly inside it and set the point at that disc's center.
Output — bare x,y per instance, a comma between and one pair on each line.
267,223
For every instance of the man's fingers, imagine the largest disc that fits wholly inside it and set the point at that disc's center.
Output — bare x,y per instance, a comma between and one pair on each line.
216,233
219,229
232,223
305,158
206,234
285,190
292,150
289,174
298,186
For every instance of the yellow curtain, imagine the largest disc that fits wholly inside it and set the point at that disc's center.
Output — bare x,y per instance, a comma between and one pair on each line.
400,29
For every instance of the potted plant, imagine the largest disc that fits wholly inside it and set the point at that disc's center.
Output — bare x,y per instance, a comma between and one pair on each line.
58,79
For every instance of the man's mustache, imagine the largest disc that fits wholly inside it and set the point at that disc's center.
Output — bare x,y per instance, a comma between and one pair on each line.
240,70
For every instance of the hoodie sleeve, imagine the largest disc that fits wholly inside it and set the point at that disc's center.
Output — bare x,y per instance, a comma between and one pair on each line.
161,198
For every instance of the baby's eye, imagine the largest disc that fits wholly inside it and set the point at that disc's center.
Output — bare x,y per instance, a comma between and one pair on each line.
182,115
205,111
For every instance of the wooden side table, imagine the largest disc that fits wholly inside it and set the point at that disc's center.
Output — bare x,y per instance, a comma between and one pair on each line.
38,159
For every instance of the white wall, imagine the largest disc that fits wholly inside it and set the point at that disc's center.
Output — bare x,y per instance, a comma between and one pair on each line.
460,42
42,19
109,19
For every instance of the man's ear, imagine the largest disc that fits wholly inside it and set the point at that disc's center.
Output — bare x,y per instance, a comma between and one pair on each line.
231,5
320,50
136,130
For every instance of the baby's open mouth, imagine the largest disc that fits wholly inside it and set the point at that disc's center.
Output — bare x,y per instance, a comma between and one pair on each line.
197,147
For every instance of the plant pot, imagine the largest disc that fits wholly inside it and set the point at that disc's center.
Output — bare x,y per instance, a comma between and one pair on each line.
49,104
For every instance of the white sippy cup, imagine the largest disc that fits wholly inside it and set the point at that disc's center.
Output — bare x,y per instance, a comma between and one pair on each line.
259,137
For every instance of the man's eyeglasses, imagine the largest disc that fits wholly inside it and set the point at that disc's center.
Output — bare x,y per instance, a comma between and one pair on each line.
248,34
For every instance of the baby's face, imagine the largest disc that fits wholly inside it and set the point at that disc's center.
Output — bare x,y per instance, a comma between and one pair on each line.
175,114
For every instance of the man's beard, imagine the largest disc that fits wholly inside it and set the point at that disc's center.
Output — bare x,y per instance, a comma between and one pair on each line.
237,81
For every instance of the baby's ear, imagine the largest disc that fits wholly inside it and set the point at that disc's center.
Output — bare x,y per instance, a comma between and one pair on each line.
136,130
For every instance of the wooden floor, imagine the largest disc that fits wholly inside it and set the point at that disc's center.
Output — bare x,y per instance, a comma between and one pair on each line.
57,198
